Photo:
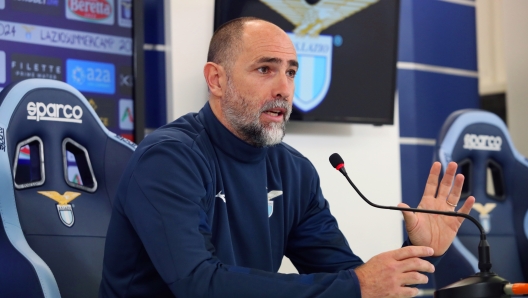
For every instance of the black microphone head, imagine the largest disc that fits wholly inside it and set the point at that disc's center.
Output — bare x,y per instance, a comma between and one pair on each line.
336,160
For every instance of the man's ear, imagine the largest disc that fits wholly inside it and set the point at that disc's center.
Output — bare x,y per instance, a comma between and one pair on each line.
215,77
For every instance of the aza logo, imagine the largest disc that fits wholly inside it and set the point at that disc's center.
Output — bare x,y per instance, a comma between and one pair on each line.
64,209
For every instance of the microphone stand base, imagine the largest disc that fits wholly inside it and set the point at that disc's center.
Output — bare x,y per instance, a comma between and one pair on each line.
480,285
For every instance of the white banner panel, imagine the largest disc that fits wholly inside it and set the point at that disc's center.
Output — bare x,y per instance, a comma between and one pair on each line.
56,37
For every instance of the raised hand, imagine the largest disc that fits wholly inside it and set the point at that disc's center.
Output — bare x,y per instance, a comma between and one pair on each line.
438,231
389,273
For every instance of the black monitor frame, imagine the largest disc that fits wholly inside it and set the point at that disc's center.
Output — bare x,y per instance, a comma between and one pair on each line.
138,35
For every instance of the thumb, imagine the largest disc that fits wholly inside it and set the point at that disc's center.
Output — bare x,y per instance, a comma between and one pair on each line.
408,216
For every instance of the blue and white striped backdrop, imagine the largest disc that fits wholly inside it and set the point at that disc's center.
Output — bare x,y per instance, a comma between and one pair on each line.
437,74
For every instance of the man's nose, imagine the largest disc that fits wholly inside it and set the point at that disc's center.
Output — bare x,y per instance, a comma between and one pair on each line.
283,87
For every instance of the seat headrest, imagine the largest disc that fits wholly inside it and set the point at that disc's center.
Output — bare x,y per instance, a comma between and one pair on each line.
467,132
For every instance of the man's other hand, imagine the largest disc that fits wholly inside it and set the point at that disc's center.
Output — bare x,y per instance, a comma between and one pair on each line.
389,273
433,230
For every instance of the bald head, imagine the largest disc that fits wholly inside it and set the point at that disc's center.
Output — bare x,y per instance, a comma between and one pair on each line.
227,41
250,74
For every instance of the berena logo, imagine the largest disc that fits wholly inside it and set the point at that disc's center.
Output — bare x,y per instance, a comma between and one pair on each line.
482,142
54,112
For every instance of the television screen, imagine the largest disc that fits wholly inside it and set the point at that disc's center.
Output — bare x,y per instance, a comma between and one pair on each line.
347,52
88,44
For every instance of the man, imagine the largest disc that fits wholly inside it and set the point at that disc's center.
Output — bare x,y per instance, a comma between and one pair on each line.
192,216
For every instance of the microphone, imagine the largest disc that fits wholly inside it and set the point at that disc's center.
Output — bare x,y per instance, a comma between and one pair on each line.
484,284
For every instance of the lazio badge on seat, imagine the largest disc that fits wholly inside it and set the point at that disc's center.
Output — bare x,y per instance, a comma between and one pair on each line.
484,214
64,209
314,51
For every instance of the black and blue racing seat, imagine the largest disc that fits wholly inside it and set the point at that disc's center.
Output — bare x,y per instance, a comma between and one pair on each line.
497,175
59,170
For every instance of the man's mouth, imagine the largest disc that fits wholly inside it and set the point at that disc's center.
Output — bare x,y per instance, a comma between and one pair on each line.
275,112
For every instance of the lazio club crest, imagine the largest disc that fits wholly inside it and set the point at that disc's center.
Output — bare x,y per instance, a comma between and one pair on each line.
64,209
315,70
484,214
272,195
314,51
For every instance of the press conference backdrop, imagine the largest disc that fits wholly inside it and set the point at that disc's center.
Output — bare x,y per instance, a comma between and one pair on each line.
85,43
347,53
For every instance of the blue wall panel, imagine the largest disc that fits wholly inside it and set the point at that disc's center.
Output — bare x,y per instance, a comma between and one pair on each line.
155,62
438,33
435,34
155,90
154,21
427,98
416,161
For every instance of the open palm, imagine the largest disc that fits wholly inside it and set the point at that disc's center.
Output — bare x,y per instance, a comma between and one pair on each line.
438,231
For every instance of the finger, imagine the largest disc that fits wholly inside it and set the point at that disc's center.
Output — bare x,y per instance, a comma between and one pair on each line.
466,208
416,264
409,216
447,181
412,252
414,278
454,196
432,180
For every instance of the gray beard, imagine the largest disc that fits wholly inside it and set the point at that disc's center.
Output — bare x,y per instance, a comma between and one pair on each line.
247,123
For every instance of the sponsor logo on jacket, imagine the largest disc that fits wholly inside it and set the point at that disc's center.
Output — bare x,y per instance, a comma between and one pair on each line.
272,195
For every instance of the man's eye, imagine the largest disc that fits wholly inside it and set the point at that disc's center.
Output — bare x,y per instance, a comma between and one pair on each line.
291,73
263,69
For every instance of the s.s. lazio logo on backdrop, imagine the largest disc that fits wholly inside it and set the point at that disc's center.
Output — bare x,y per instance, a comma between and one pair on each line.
314,51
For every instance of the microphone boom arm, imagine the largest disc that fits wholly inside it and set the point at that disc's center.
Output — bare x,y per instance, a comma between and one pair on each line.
484,263
484,284
448,213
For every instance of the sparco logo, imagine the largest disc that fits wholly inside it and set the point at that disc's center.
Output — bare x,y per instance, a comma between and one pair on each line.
482,142
2,139
54,112
91,9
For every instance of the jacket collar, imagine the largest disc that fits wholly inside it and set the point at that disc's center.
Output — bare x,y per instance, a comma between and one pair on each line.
226,141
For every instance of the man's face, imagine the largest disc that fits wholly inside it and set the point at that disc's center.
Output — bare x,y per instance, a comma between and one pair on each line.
260,84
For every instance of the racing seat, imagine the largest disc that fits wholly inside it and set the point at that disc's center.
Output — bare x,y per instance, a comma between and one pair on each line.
59,170
497,175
